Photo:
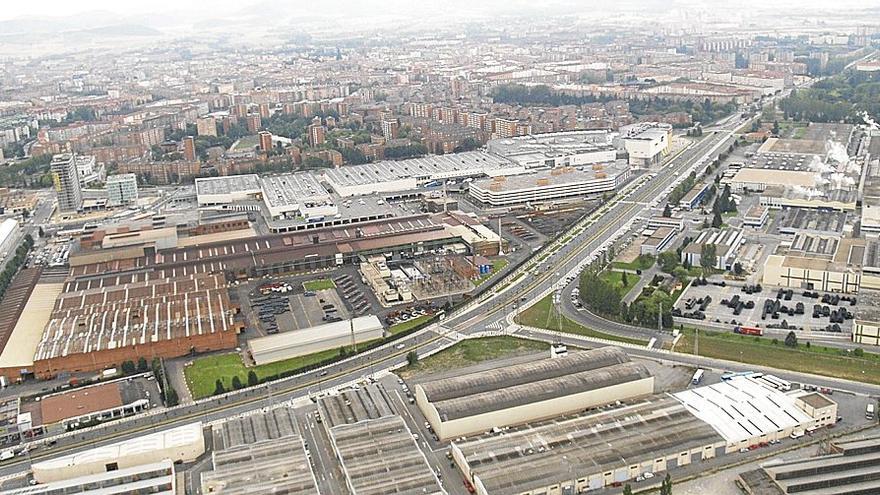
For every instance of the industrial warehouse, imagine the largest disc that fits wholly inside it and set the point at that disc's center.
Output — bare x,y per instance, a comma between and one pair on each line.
259,453
477,402
850,468
550,185
606,446
375,448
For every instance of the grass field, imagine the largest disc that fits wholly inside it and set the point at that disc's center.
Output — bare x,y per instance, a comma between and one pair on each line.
473,351
643,262
761,351
538,315
319,284
406,325
497,266
204,372
616,279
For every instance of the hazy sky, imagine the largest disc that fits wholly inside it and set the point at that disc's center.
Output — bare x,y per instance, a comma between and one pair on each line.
52,8
49,8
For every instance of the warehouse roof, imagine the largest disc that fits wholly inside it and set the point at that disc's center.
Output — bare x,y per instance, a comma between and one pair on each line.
289,190
55,408
380,456
352,406
517,385
135,313
566,176
229,184
269,466
532,457
742,408
252,428
520,374
540,390
427,167
791,178
271,348
163,440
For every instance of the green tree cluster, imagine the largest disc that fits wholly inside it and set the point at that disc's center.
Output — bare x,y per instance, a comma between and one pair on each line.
14,264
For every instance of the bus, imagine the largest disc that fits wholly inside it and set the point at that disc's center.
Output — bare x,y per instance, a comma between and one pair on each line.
698,377
748,330
777,382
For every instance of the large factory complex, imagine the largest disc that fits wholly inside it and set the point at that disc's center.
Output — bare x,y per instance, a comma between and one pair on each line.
592,419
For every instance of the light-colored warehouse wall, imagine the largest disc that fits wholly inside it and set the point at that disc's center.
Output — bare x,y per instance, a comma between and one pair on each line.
530,412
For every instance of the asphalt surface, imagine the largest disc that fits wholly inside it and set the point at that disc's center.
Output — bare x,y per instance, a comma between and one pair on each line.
493,310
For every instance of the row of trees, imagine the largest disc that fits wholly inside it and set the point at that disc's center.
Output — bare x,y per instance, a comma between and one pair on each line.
8,273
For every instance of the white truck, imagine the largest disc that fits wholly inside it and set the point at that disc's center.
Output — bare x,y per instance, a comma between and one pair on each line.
7,454
869,411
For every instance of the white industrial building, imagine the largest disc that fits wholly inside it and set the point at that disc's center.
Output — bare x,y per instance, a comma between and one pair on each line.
216,191
479,401
550,185
725,241
647,142
122,189
294,343
157,478
607,447
395,176
730,408
297,195
8,236
557,149
184,443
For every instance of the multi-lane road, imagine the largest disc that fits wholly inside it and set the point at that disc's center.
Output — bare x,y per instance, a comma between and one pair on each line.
493,310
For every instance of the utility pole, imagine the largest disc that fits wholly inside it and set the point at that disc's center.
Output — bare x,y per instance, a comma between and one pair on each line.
500,239
660,318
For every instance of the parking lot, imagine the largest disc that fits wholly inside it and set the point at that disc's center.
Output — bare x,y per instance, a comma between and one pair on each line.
313,308
772,307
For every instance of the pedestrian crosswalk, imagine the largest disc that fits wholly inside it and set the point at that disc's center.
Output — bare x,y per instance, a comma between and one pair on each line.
497,325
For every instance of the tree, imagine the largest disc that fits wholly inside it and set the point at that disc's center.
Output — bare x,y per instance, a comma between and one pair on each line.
716,220
219,388
775,127
412,357
791,340
667,211
707,257
666,486
627,490
171,398
41,232
142,366
668,261
128,368
343,351
623,279
236,382
252,378
738,269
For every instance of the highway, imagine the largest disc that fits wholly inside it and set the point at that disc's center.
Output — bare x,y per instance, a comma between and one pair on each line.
471,318
492,311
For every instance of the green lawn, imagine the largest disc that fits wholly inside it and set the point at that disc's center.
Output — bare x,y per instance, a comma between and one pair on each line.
761,351
616,279
204,372
319,284
643,262
406,325
539,315
472,351
497,266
